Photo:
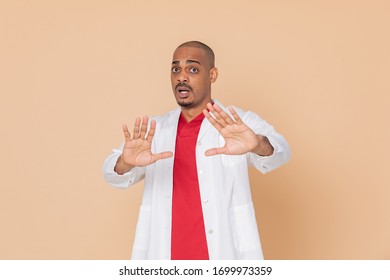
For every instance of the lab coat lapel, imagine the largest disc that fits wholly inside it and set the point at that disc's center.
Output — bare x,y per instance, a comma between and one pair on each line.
203,129
206,125
170,130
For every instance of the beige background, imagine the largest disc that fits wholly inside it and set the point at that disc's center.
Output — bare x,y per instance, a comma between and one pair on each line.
71,72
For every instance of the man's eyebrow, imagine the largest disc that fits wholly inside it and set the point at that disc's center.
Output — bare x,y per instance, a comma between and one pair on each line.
187,62
192,61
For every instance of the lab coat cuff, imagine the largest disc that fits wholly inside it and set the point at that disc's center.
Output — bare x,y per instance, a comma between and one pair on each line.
115,179
266,163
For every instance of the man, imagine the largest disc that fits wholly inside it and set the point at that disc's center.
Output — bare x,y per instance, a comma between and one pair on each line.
196,202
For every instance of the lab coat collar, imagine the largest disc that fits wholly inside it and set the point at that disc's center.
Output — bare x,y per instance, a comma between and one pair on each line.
206,125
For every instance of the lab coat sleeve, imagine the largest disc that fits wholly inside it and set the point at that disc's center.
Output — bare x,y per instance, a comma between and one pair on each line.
120,181
281,152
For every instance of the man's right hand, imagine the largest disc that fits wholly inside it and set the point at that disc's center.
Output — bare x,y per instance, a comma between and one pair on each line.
137,149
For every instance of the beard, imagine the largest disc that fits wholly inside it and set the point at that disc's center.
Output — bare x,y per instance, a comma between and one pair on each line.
184,103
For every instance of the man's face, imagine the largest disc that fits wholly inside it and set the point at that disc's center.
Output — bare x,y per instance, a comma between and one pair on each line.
191,77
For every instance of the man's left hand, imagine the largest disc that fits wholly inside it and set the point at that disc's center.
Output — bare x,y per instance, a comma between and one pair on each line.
239,138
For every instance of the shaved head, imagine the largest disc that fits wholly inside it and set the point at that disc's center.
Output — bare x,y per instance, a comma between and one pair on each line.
208,51
192,73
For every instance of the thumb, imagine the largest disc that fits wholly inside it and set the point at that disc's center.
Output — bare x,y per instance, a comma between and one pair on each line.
215,151
162,155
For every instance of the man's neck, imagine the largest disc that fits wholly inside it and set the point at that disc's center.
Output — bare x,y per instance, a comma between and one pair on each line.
191,113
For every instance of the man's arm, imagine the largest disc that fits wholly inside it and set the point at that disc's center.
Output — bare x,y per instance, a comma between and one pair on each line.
126,166
239,138
265,148
121,167
124,180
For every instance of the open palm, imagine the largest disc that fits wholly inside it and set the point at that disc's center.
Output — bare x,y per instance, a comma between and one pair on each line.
239,138
137,149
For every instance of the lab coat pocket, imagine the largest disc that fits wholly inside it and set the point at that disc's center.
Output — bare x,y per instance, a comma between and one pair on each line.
244,227
141,241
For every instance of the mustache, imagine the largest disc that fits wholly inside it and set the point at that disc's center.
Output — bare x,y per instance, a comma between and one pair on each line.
183,85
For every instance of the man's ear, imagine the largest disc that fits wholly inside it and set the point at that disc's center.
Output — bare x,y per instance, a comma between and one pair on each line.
213,74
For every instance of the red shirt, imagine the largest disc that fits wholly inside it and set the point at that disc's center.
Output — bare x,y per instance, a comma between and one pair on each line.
188,233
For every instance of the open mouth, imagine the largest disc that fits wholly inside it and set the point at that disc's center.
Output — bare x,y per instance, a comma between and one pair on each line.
183,91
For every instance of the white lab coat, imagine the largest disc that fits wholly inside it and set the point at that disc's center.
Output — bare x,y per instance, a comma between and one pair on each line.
229,216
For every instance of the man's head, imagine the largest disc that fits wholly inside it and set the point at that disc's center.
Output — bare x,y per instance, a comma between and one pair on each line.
192,73
208,51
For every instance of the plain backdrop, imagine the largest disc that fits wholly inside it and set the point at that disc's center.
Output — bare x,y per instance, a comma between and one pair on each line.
71,72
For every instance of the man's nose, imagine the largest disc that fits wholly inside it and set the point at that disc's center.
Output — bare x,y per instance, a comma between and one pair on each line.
182,77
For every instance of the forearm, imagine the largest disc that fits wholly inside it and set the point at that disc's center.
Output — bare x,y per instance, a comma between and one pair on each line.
121,167
120,180
264,147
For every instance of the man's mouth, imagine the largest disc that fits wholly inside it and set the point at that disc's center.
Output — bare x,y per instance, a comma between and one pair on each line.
183,91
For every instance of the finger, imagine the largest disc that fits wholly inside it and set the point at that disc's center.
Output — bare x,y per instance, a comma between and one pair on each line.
126,133
136,128
216,124
215,151
144,127
163,155
235,115
224,115
216,114
152,129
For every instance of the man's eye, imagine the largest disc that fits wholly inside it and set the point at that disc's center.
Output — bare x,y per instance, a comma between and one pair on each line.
194,70
175,70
